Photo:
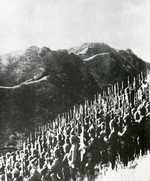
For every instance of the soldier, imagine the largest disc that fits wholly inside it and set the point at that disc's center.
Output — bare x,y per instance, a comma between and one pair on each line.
113,141
16,173
66,169
34,172
55,171
127,149
142,136
74,156
92,154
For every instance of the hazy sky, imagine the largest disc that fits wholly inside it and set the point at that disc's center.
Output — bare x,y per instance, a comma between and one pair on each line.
66,23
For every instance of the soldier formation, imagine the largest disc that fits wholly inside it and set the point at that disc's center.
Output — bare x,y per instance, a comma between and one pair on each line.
110,130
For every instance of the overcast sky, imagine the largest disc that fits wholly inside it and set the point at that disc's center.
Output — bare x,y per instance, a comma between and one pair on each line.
66,23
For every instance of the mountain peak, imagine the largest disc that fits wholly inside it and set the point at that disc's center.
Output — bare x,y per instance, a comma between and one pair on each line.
40,83
91,48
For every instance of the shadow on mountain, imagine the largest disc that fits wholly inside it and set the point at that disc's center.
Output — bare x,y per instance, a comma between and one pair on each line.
39,83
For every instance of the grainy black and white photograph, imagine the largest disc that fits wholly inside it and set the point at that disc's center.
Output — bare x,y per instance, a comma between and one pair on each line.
74,90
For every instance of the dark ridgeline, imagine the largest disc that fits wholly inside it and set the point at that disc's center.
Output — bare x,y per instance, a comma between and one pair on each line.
50,82
110,131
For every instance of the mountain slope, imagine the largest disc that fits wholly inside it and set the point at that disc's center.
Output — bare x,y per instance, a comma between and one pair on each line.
108,65
44,83
39,83
89,49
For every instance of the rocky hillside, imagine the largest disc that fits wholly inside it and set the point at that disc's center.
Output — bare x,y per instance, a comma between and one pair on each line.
108,65
38,83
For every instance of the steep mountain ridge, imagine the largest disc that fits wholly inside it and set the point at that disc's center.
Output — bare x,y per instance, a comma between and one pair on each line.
108,65
44,83
39,83
90,49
